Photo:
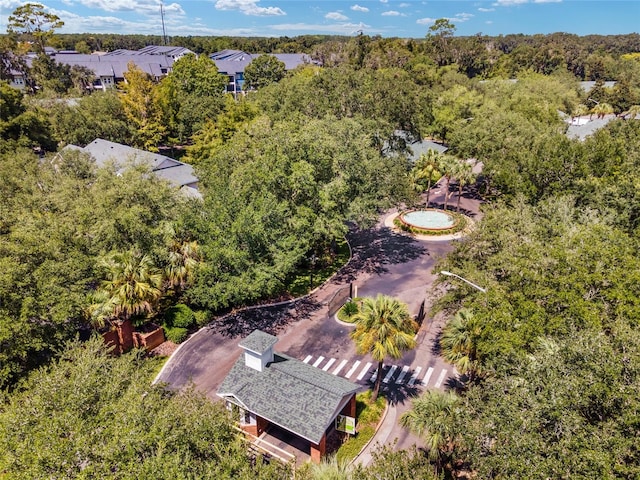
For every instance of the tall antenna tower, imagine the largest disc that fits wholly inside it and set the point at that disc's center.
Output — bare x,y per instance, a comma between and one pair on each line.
164,32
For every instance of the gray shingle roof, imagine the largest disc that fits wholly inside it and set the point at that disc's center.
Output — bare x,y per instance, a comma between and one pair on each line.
177,173
298,397
581,132
258,342
235,61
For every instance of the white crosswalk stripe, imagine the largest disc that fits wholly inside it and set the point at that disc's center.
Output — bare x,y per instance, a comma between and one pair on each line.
339,367
427,377
404,371
364,371
390,373
414,377
353,369
328,365
442,376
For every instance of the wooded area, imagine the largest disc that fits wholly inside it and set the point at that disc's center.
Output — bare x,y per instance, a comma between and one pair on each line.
551,355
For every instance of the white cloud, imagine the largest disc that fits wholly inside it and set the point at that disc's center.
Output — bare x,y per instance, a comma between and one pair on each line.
384,1
338,28
425,21
391,13
248,7
358,8
486,9
336,16
461,17
508,3
138,6
489,22
6,5
404,5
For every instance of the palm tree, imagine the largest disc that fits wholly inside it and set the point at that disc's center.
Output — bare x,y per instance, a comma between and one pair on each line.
132,288
448,167
633,112
330,469
464,175
579,111
427,168
602,109
183,259
384,328
459,343
434,417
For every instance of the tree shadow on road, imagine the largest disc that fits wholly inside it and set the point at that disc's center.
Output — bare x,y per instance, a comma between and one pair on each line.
399,393
269,319
373,249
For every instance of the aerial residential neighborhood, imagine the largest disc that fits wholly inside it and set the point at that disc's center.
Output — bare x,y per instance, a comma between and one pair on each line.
309,240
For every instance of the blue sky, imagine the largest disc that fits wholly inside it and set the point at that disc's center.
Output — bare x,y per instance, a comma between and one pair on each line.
388,18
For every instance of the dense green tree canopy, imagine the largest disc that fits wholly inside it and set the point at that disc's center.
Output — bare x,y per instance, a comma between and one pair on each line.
262,71
91,415
59,218
280,191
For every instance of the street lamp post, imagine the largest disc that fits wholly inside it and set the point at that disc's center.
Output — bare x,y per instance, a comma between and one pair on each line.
477,287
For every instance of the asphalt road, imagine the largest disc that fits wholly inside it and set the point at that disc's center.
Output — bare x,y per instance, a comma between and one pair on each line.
383,262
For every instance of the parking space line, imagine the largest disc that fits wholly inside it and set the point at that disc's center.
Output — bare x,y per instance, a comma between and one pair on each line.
306,360
318,361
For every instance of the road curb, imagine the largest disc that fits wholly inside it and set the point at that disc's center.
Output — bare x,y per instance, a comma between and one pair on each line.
368,444
254,307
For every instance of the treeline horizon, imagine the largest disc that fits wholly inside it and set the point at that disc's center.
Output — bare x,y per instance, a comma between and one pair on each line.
588,57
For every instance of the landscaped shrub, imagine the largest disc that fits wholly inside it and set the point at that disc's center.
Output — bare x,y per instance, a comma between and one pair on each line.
348,310
368,416
176,334
179,316
203,317
460,224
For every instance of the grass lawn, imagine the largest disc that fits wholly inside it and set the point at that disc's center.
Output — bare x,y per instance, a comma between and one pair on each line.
301,285
367,417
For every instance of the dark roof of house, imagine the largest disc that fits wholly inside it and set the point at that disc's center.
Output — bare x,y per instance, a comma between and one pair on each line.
289,393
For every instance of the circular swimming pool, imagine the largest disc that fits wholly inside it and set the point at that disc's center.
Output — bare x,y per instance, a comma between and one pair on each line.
428,219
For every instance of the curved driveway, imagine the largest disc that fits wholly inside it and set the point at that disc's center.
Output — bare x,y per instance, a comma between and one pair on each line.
383,262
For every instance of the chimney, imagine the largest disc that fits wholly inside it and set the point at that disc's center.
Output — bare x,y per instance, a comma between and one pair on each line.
258,349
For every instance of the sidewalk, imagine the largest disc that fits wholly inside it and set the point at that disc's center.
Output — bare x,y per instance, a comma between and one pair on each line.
380,437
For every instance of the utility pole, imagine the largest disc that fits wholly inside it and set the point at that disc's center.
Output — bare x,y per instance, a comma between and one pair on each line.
164,32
